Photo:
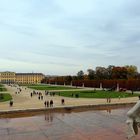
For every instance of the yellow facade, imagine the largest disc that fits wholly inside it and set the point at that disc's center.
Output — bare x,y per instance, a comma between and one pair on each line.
7,77
29,78
21,78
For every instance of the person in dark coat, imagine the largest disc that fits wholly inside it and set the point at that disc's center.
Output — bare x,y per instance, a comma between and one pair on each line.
51,103
41,97
62,101
45,103
11,103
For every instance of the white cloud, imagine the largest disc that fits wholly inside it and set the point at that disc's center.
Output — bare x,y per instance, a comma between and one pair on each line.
62,37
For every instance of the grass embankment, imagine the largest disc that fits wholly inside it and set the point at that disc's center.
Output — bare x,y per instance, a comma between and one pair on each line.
46,87
96,94
2,88
5,97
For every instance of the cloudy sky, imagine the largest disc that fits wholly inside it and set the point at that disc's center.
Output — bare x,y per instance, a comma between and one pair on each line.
61,37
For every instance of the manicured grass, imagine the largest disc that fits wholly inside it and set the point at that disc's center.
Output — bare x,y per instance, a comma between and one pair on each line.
33,84
5,97
3,89
96,94
28,84
45,87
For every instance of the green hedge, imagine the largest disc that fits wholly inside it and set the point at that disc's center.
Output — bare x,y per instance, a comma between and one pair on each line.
96,94
5,97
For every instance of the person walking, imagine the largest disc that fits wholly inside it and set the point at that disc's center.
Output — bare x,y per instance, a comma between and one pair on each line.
31,94
62,101
11,103
45,103
41,97
51,103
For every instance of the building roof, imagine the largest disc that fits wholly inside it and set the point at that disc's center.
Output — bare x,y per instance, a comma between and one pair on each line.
7,72
29,74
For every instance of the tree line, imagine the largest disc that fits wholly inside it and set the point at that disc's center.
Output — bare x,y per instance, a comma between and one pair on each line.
126,76
102,73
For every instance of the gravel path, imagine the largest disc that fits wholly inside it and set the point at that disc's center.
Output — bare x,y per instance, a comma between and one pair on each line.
23,100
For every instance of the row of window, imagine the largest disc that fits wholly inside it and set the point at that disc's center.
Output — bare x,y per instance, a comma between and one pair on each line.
7,74
25,78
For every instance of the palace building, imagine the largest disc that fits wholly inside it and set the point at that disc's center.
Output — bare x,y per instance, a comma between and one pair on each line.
20,78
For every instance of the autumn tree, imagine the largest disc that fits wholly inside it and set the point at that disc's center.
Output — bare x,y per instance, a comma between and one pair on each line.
132,71
119,73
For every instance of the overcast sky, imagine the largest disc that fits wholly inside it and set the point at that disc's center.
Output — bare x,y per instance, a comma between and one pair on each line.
61,37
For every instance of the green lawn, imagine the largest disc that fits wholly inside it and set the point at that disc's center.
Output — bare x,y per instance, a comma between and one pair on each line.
45,87
5,97
3,89
96,94
29,84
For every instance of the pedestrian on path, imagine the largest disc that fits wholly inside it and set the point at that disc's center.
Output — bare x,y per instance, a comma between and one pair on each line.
51,103
45,103
41,97
108,100
11,103
62,101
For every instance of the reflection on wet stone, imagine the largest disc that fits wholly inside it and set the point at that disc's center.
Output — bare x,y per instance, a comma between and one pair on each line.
87,125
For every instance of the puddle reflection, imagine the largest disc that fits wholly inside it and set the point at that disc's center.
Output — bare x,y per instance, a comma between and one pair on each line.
103,124
49,117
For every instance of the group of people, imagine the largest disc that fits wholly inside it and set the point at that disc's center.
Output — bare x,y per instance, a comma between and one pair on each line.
49,93
40,96
35,93
108,99
48,103
19,90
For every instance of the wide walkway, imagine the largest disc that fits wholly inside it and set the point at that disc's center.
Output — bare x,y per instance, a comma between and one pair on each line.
23,100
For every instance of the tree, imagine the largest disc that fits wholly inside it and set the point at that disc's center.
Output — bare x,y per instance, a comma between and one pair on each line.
85,77
74,78
80,74
91,74
132,71
138,76
68,78
119,73
109,69
101,73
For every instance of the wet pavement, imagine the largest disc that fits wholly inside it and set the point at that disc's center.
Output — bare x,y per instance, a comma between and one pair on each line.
88,125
